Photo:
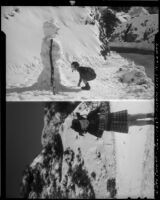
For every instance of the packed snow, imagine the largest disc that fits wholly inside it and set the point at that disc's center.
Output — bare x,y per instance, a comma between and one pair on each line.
27,60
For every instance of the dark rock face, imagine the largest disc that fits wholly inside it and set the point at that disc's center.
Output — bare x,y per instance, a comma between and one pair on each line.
139,25
41,179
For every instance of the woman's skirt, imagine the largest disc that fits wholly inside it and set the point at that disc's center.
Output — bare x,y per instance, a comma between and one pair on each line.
116,121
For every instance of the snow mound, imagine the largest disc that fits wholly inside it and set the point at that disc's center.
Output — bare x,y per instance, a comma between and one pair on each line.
134,78
130,74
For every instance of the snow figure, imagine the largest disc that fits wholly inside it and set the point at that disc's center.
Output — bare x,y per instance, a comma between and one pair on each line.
50,54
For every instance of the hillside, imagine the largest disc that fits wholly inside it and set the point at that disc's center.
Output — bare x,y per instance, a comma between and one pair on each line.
137,29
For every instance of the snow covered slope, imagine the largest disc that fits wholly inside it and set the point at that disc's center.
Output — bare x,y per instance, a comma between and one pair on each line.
79,40
137,29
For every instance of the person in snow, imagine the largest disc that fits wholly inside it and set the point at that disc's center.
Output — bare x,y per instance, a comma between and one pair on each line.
85,74
96,122
50,54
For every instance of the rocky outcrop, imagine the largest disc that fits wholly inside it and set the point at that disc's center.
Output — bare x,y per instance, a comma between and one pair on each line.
129,25
45,178
130,76
140,26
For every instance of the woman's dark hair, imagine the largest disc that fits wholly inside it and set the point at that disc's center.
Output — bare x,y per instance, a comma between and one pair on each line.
76,64
76,126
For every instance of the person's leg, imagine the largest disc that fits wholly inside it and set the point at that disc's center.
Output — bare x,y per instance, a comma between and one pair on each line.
140,122
87,86
85,82
133,117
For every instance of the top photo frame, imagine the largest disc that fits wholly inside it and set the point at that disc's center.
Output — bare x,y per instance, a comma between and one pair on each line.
74,53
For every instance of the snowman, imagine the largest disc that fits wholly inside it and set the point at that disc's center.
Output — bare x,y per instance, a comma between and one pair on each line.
50,54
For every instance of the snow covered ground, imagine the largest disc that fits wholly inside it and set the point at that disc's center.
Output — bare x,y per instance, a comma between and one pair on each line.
79,41
135,178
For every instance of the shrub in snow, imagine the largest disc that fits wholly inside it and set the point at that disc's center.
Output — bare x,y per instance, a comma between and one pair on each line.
110,21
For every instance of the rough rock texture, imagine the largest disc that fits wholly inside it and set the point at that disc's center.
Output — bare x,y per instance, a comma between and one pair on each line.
125,28
138,25
129,26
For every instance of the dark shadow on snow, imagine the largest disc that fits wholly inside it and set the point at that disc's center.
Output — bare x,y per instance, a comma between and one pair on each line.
34,87
38,86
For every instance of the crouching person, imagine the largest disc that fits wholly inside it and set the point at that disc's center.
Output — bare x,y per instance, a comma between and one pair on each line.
86,74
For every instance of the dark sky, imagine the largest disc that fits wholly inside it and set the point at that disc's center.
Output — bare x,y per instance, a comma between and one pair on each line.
24,124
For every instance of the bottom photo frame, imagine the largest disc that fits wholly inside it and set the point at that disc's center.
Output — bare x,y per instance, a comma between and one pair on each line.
96,149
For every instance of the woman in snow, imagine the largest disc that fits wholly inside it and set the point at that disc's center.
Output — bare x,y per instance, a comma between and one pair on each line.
96,122
50,54
85,74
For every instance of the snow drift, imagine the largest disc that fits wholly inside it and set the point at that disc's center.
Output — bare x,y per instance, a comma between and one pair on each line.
78,38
